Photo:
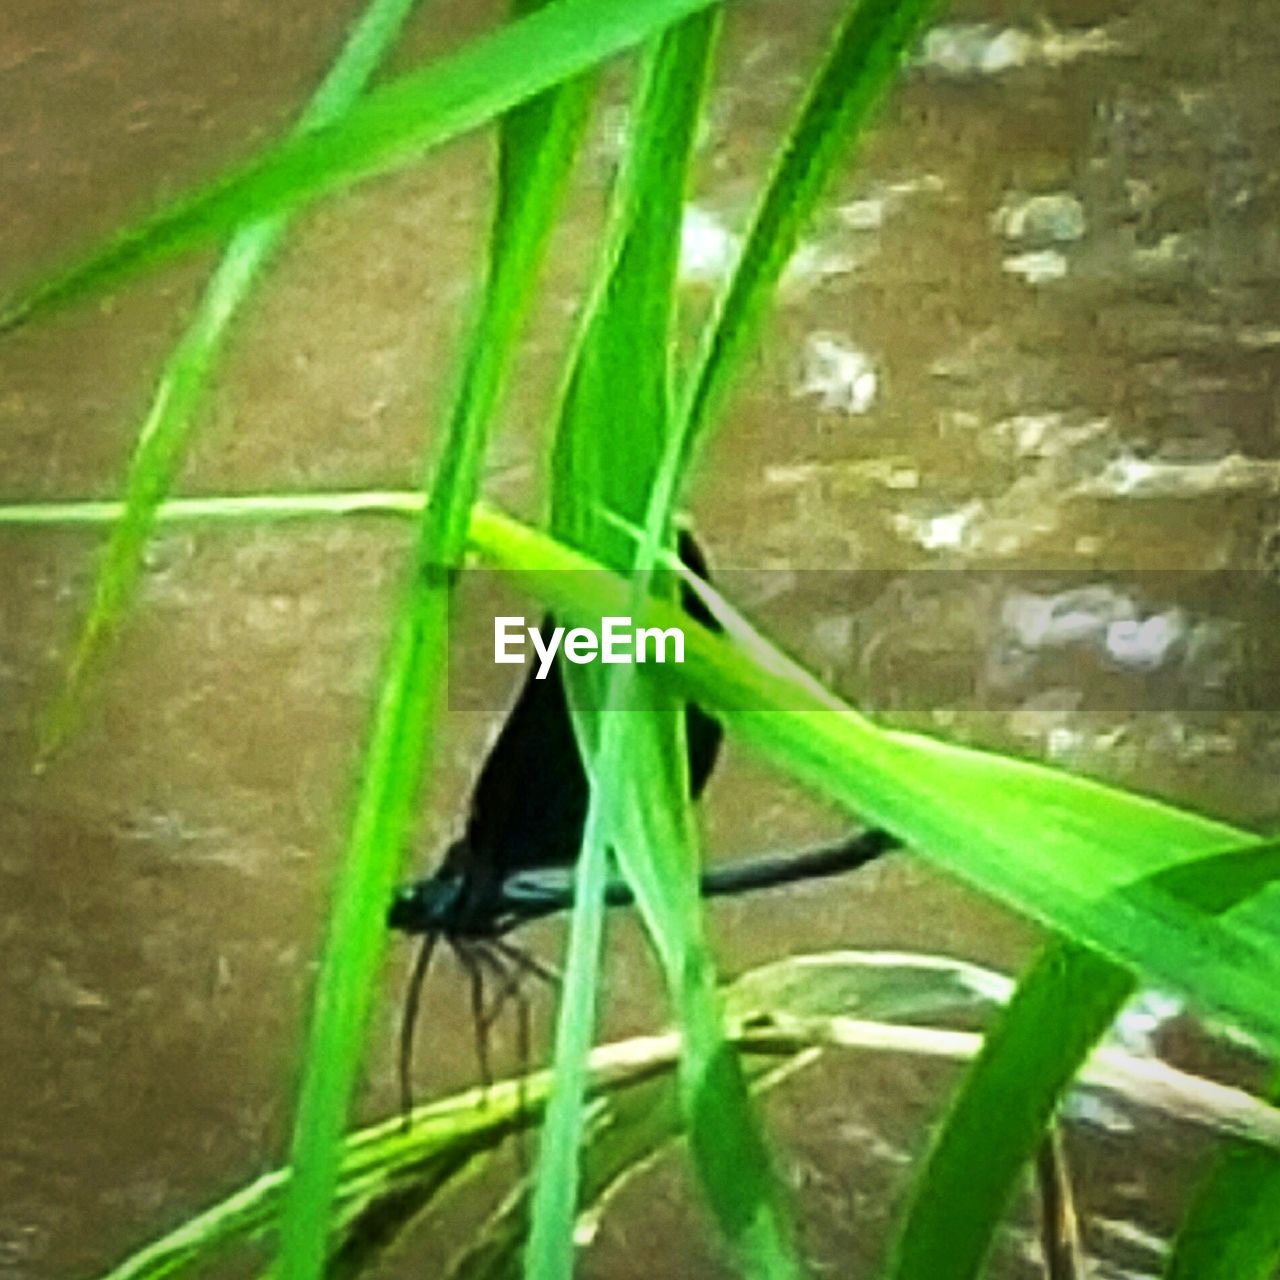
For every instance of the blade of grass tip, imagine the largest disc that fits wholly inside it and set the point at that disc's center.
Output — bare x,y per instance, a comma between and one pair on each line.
412,676
1066,850
159,446
393,126
865,54
999,1114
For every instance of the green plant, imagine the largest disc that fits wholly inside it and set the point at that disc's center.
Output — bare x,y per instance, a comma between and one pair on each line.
1132,886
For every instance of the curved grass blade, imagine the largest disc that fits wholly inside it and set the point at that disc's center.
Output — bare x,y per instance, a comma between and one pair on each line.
865,54
1125,835
995,1124
997,1119
412,675
262,508
1065,850
392,127
805,999
159,447
625,341
443,1136
735,1166
639,802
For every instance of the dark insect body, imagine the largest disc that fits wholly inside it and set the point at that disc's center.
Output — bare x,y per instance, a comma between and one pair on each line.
515,860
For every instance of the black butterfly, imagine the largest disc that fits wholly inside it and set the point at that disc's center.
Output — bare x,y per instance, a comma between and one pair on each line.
515,860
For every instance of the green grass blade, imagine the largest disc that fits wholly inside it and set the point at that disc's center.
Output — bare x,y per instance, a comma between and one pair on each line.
1232,1230
731,1157
599,461
443,1134
221,509
625,342
412,677
622,343
1065,850
450,1137
865,56
998,1117
550,1249
866,51
162,438
1064,1004
392,127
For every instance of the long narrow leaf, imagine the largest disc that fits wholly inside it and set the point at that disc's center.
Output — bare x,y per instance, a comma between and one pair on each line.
1132,834
639,800
163,436
866,52
598,461
1065,850
1062,1007
394,126
412,678
1041,812
220,509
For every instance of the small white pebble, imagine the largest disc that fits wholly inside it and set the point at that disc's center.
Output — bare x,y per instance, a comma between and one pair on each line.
1037,267
975,48
1052,218
1145,644
863,215
843,377
945,532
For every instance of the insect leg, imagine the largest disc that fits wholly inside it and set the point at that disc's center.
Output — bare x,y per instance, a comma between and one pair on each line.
408,1020
527,961
466,957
